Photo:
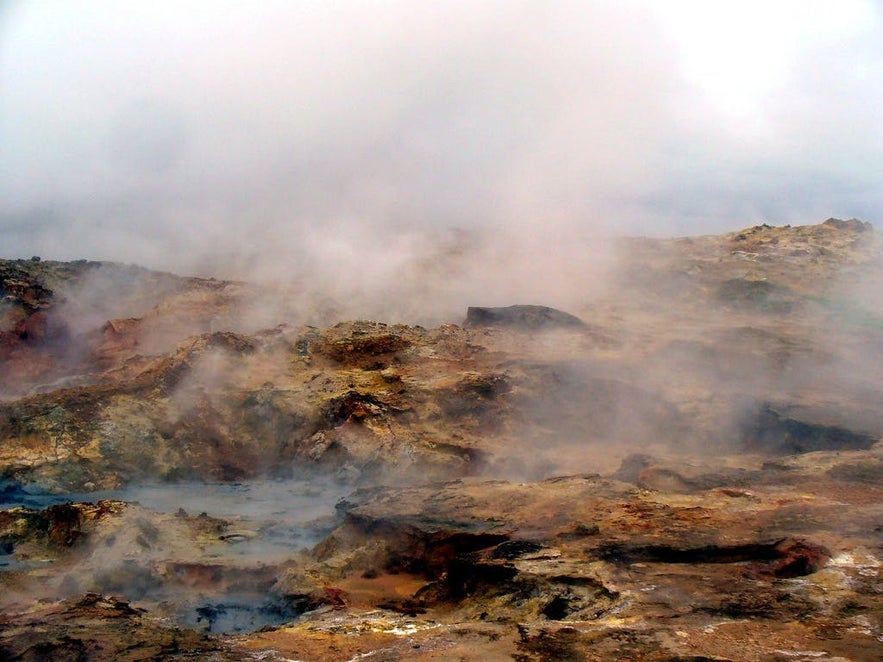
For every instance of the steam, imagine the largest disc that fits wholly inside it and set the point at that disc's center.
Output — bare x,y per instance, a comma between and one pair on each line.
402,162
264,142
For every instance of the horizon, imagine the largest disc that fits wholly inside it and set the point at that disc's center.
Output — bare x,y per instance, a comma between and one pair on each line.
311,136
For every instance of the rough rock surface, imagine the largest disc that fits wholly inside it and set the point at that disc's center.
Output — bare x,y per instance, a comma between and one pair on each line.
693,473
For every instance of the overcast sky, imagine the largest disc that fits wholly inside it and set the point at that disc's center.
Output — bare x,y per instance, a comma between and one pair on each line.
178,133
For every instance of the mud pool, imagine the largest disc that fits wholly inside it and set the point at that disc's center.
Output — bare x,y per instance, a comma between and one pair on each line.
278,516
223,584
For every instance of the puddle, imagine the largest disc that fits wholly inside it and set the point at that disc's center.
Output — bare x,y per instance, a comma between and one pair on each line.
278,515
9,562
237,614
269,521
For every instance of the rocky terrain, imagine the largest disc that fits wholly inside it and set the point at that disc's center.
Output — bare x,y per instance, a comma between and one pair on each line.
686,466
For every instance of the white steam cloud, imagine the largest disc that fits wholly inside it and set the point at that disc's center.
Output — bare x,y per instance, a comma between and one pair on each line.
277,138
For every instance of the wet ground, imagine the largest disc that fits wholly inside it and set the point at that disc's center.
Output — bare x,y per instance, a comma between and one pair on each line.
206,554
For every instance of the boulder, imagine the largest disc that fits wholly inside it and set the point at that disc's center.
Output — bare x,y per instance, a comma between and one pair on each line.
522,317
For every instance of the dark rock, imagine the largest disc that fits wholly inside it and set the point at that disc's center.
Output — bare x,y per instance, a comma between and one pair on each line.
12,492
853,224
783,558
580,530
61,649
562,644
558,608
467,575
799,558
353,406
477,395
867,470
512,549
632,466
522,317
776,432
761,295
64,522
20,288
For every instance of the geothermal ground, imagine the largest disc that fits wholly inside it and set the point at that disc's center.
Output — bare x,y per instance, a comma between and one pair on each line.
684,466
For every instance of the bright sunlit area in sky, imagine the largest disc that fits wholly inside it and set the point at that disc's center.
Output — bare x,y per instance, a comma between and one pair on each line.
737,53
217,127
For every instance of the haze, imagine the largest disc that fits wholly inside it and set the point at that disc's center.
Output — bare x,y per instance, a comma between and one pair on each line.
248,139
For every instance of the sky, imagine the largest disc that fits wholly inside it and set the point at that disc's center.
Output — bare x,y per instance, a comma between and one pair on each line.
207,137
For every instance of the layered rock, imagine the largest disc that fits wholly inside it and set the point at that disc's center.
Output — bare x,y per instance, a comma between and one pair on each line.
688,468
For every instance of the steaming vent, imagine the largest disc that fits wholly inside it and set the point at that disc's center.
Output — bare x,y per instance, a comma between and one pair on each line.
212,565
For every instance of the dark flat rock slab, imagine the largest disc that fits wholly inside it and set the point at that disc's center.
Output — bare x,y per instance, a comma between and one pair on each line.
522,317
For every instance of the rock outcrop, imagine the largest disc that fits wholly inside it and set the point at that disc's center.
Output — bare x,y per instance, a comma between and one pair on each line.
522,317
693,472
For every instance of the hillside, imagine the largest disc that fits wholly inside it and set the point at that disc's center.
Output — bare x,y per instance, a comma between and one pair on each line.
684,465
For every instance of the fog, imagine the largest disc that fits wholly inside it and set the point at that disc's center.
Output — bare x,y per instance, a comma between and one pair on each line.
399,161
345,141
